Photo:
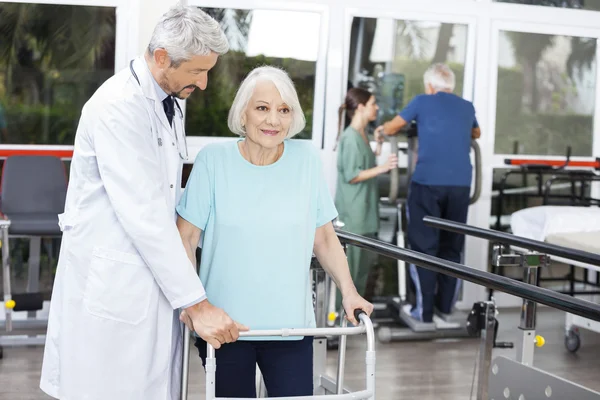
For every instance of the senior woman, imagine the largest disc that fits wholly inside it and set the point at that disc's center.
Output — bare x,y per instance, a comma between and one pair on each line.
262,206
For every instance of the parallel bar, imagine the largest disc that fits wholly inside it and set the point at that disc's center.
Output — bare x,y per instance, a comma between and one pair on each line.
544,296
507,238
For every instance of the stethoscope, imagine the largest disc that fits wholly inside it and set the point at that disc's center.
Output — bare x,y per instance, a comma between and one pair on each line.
180,113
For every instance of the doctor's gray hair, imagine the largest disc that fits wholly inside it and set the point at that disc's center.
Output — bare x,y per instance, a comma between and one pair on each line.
440,77
185,32
286,89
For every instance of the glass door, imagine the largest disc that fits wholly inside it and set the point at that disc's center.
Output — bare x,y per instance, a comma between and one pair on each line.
543,107
388,53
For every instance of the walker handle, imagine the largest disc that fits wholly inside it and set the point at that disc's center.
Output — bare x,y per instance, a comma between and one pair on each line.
357,313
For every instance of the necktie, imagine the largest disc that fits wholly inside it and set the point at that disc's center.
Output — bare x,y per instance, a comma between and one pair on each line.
169,106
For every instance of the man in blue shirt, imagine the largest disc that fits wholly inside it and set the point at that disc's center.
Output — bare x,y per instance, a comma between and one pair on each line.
440,185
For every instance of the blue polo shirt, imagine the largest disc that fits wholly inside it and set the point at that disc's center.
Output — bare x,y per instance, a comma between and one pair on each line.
444,123
259,225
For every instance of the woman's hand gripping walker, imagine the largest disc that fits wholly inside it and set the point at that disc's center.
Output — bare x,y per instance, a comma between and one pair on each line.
365,326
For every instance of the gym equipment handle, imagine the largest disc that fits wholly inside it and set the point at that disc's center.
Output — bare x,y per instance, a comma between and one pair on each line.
509,239
477,168
394,173
523,290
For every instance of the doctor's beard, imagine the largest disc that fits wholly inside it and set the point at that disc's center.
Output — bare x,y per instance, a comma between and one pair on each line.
179,93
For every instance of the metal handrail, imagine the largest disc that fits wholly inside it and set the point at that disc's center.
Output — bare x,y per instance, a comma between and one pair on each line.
534,293
507,238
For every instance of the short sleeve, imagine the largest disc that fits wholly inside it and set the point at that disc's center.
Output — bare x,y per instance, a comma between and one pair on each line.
326,211
350,162
411,111
475,123
196,202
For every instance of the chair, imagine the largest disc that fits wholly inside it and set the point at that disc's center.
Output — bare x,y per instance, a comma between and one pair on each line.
33,192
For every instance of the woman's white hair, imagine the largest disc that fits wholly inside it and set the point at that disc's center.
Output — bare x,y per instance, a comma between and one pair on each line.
185,32
286,89
440,77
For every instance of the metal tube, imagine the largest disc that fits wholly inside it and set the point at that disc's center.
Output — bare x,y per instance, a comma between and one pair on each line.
528,311
6,275
185,370
370,355
477,170
544,296
351,330
210,369
394,173
507,238
485,352
341,359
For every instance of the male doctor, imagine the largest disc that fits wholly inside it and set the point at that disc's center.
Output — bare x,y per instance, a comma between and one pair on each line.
112,331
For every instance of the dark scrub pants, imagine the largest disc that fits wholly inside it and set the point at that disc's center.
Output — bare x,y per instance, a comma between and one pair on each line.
435,290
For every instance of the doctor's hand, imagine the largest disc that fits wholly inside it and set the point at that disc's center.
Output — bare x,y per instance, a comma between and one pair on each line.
212,324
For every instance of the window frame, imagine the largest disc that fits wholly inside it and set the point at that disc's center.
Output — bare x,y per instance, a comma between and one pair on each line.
499,26
125,49
196,143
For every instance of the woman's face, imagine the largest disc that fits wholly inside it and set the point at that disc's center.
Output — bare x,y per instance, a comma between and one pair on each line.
370,109
267,118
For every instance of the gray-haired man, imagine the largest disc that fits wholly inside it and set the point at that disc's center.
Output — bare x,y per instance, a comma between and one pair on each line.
123,272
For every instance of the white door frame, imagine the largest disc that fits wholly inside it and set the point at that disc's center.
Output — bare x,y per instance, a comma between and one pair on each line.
195,143
496,160
469,75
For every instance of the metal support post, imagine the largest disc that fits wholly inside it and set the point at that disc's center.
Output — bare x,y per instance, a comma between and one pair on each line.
185,362
530,263
485,349
33,282
341,358
6,274
525,347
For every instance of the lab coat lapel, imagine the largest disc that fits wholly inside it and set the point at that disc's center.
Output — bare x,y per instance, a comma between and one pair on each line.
148,89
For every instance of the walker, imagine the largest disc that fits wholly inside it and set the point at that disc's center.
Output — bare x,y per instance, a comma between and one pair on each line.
324,387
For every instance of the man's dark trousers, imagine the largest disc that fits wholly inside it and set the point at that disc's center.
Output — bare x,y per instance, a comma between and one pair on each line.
448,202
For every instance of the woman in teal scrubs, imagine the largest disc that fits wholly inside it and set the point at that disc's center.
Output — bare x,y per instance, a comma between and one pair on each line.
357,196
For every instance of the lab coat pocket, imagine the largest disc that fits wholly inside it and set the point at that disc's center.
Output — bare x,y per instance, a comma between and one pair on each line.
118,287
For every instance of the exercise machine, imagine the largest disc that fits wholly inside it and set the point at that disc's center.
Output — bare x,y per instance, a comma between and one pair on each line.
393,313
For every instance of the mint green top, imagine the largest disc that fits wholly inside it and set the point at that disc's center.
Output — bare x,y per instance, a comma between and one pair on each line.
357,203
259,225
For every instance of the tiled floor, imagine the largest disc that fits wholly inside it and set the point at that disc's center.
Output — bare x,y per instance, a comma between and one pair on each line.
409,370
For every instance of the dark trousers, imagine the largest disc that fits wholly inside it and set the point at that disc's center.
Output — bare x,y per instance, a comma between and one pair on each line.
286,366
448,202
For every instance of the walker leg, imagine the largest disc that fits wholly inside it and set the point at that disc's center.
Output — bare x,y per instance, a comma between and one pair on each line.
186,363
211,369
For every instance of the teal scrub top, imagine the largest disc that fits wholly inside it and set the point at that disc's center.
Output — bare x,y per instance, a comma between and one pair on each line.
357,203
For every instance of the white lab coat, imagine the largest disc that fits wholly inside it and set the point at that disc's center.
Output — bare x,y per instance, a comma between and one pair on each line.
113,332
